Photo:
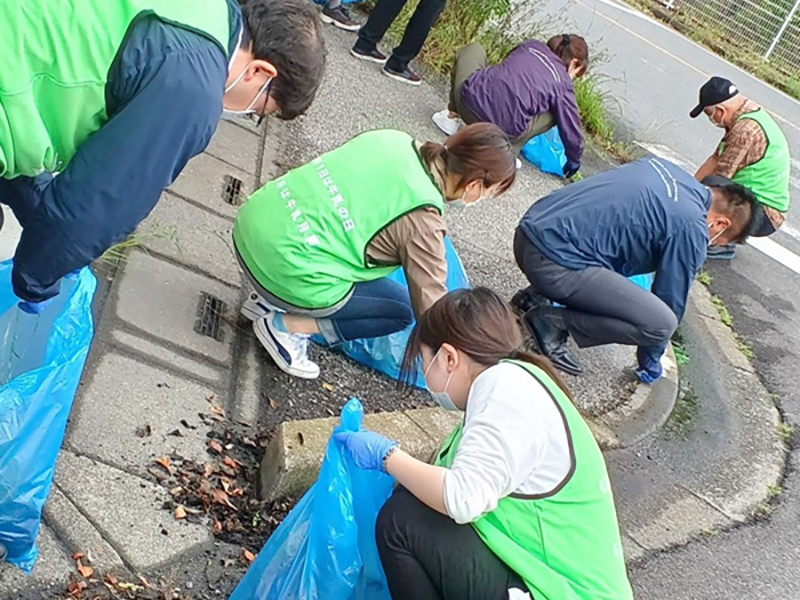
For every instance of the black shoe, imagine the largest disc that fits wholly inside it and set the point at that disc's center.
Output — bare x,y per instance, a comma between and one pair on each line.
527,299
724,252
552,339
373,55
340,17
406,75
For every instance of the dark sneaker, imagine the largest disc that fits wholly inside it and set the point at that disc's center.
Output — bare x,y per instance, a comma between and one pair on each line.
340,17
406,75
725,252
553,341
374,55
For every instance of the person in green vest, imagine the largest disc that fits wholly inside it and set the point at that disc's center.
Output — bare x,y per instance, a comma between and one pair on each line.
115,97
318,243
753,153
517,503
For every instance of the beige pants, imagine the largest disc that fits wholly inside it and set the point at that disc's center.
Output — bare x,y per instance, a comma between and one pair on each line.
472,58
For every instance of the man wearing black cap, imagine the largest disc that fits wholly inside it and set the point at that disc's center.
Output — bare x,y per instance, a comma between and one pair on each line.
753,153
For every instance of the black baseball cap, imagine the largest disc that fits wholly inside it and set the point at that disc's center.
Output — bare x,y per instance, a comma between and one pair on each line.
714,91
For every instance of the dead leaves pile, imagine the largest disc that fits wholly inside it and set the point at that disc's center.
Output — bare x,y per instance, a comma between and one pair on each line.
86,585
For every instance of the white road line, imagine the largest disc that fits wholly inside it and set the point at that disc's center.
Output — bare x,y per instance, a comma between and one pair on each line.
775,251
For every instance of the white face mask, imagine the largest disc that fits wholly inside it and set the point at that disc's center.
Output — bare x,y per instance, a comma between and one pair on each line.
721,124
442,398
235,114
462,202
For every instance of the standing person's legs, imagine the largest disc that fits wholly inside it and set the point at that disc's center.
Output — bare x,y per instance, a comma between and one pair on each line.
428,556
469,59
416,33
381,17
539,124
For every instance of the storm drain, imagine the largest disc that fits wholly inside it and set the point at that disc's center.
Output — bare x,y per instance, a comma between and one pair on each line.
209,316
232,190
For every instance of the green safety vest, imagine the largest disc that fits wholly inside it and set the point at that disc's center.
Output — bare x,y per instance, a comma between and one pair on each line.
564,544
769,177
57,57
304,236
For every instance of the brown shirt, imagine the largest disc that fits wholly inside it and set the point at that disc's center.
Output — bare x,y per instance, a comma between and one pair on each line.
416,242
744,144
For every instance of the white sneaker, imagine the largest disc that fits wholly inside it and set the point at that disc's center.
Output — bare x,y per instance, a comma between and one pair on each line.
446,123
288,350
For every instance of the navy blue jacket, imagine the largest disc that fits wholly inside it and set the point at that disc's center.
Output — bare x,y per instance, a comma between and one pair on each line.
647,216
164,100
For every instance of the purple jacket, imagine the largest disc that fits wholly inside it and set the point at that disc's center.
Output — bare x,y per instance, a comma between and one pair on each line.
530,81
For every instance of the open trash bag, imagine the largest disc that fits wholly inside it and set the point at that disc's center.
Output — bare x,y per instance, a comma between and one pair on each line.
325,547
385,354
41,361
546,152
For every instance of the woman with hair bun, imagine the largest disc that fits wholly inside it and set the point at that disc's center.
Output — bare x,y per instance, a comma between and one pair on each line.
525,95
318,243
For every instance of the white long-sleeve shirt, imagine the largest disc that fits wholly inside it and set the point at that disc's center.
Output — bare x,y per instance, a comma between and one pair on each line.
514,441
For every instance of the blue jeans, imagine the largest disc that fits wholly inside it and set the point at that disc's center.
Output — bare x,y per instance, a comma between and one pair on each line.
375,309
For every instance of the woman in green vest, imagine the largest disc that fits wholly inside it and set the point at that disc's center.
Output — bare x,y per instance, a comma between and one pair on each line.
318,243
517,503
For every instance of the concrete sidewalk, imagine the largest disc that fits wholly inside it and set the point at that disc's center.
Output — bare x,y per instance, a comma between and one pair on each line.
169,353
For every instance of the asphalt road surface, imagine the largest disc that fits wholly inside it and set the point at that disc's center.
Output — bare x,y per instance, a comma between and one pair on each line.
655,74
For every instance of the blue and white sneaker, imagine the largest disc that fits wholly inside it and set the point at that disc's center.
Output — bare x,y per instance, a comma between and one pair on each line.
288,350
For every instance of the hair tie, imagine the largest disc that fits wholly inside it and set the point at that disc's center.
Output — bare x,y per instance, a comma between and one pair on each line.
565,39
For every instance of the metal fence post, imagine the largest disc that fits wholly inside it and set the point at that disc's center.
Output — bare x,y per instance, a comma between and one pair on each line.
782,29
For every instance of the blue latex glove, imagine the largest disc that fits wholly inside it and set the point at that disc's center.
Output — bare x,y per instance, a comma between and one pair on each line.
34,308
570,168
367,448
649,369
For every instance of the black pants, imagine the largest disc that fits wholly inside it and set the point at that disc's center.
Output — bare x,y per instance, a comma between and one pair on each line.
601,306
382,16
428,556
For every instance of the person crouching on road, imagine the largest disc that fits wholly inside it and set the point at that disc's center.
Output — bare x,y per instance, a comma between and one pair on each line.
525,95
578,245
754,153
319,242
517,503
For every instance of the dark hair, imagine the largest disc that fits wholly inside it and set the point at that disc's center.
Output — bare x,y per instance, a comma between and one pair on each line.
477,322
288,34
737,203
569,47
478,151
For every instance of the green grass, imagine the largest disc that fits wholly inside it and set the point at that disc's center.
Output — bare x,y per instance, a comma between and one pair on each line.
704,277
785,431
722,310
683,413
117,253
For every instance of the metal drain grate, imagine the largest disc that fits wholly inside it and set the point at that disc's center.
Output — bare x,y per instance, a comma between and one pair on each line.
209,316
232,190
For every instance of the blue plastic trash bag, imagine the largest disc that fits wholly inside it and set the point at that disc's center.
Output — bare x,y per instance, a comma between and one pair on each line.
643,281
325,547
385,354
41,361
546,152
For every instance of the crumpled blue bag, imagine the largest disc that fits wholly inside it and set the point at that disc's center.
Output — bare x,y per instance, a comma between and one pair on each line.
41,361
385,354
546,152
325,547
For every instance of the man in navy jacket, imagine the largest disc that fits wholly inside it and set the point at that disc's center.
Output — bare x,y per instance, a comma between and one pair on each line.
578,245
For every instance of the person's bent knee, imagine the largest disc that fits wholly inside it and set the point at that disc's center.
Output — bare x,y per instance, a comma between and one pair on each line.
659,328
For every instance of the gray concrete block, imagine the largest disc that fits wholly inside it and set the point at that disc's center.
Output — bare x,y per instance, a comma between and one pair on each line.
197,238
79,534
203,181
437,423
163,299
292,459
247,398
235,145
51,572
168,358
127,510
700,301
124,395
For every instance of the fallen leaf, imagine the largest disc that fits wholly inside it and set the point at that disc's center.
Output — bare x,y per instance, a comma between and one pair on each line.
248,556
210,398
74,588
185,423
180,512
175,491
129,587
221,497
233,464
110,578
162,385
248,442
327,386
144,582
272,404
144,431
78,555
228,446
208,468
235,492
215,446
216,528
218,412
164,463
176,433
85,570
226,483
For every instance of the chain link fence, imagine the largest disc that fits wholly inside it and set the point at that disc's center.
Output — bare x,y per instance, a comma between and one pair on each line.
766,29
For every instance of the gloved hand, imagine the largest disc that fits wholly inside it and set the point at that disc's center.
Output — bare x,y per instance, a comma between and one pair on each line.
34,308
571,168
367,448
649,369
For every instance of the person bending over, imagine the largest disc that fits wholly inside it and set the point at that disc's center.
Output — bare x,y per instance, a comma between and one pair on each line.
319,242
517,503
